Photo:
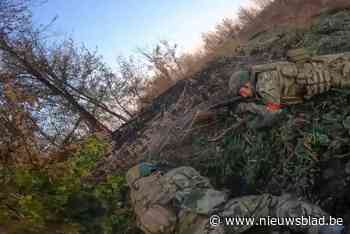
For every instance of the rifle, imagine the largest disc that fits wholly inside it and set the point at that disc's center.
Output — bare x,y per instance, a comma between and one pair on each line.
232,102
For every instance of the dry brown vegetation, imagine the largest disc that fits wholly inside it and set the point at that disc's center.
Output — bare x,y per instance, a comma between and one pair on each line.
170,67
228,36
297,13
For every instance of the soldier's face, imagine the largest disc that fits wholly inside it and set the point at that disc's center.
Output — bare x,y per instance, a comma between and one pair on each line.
246,90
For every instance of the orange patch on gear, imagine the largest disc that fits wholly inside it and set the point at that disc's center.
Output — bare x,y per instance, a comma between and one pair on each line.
273,107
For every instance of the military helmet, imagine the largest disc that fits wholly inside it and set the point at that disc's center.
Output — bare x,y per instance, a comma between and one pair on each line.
238,79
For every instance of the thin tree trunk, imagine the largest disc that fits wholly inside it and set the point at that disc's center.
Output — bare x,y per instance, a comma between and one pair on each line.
90,119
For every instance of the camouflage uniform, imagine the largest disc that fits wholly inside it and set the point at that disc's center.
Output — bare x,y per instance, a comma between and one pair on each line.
286,83
290,83
181,201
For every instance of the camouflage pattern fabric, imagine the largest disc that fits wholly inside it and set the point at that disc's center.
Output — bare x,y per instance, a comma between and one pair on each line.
181,201
292,82
267,205
180,196
287,83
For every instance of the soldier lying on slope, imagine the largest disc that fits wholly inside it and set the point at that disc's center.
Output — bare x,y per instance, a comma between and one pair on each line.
277,85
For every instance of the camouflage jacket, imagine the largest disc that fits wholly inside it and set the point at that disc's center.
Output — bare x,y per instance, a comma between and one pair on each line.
181,201
292,82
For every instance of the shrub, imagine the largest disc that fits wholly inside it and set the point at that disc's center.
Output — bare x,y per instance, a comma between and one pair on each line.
59,198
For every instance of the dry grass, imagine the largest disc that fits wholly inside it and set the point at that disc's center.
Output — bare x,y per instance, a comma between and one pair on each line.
228,36
296,13
190,64
155,88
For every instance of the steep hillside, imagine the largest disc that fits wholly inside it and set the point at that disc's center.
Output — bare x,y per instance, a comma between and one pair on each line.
291,13
310,159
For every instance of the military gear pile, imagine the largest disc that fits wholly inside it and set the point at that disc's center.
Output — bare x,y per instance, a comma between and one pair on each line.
182,201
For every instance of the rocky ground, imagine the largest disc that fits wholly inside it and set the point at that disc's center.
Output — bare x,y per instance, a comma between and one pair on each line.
307,153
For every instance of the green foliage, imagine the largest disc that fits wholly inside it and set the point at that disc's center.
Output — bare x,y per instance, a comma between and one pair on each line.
252,162
330,34
57,197
285,158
